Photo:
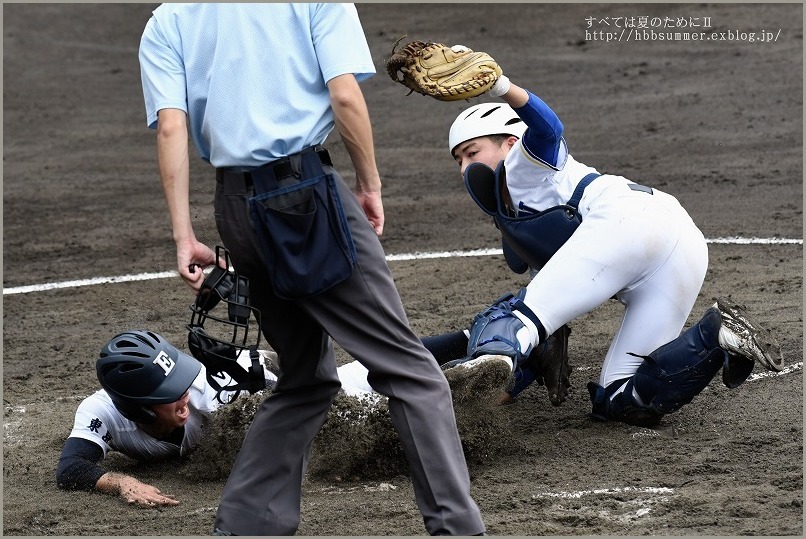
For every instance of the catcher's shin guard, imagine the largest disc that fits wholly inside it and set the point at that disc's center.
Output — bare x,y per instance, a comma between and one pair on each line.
669,378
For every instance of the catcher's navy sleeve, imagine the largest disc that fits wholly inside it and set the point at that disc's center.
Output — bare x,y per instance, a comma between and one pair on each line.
544,136
78,465
447,347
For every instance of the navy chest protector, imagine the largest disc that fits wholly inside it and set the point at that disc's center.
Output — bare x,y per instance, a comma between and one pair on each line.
530,239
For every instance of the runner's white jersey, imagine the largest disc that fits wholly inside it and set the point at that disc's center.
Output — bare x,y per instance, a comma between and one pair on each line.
98,421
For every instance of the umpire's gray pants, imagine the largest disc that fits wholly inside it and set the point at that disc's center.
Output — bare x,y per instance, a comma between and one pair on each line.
366,317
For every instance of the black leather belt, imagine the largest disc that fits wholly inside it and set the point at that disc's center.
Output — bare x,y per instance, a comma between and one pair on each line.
280,168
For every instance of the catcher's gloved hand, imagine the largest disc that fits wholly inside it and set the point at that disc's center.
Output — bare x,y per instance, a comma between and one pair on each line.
551,365
442,72
496,331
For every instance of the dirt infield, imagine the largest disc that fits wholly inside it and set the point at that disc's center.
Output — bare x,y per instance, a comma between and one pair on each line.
717,121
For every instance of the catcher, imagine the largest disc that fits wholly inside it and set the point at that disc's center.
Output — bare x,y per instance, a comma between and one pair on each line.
588,237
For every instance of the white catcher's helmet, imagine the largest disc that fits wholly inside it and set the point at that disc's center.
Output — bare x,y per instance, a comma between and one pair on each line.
483,120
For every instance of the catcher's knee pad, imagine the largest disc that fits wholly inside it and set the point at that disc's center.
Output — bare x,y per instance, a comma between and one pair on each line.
494,330
669,378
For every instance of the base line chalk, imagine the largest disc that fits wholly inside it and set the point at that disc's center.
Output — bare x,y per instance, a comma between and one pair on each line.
390,258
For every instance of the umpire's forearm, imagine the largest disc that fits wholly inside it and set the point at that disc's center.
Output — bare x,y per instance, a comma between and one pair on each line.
352,121
172,153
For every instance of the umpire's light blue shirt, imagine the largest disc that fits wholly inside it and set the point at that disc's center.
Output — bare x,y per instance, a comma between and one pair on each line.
251,77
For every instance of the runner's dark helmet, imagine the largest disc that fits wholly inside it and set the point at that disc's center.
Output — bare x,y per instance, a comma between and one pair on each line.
140,368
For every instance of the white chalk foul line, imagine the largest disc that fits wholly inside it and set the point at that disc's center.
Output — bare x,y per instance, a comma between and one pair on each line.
167,274
736,240
88,282
390,258
444,254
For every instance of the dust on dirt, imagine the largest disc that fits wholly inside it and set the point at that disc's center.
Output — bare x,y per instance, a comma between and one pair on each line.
358,441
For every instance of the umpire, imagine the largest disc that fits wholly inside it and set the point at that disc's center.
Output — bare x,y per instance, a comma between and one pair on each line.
260,86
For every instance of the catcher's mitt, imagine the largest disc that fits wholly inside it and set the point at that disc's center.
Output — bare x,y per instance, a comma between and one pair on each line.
442,72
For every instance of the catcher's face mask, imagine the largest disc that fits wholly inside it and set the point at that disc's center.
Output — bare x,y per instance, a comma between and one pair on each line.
217,340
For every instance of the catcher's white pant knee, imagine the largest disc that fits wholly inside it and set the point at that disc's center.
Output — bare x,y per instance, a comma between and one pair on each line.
641,248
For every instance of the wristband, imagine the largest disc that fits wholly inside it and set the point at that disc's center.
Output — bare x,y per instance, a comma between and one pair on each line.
501,86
